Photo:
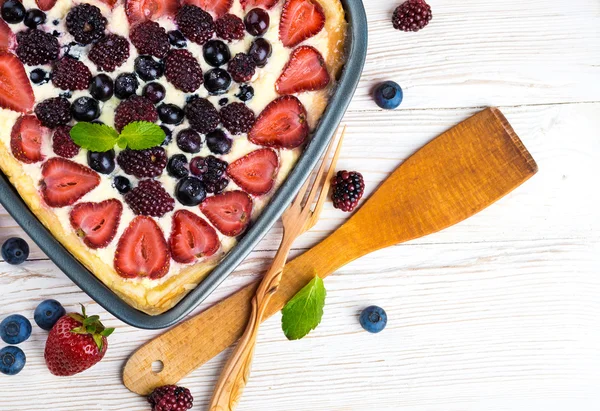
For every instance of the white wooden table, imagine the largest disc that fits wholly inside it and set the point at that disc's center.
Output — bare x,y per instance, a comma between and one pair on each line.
501,312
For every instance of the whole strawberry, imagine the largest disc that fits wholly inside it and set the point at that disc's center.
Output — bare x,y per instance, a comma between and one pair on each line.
75,343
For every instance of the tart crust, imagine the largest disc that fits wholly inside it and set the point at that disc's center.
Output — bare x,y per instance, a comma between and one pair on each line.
164,295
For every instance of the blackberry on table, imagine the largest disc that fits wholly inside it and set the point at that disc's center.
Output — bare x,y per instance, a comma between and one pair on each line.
53,112
237,118
211,171
230,27
143,163
36,47
195,24
135,108
109,52
149,198
412,15
183,70
86,23
347,187
150,38
202,115
71,74
242,67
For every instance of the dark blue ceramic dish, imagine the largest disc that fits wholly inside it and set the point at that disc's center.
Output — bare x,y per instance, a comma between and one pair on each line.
10,199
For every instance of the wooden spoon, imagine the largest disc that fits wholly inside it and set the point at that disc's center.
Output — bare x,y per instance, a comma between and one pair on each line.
456,175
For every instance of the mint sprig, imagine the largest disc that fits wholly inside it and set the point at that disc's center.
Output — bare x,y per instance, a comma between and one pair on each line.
138,135
304,311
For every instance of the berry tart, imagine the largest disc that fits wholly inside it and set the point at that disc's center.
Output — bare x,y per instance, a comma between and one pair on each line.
147,135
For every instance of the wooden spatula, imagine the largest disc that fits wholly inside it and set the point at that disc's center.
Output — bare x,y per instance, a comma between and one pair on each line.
453,177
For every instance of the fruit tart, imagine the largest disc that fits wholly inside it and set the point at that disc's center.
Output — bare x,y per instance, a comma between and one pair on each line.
147,135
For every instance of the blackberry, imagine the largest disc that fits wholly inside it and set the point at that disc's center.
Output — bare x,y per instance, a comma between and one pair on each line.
242,67
202,115
150,198
36,47
412,15
183,70
143,163
230,27
71,74
237,118
135,108
211,171
178,166
86,23
195,24
150,38
110,52
62,144
347,187
53,112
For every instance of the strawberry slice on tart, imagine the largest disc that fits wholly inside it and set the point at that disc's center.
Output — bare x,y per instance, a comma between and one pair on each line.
97,223
7,37
15,89
305,71
217,7
282,124
300,20
255,173
191,238
142,250
26,139
230,211
142,10
65,181
45,5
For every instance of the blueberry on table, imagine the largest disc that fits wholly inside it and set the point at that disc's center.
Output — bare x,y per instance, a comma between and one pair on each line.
148,69
15,329
257,21
155,92
102,87
177,39
15,250
388,95
34,17
216,53
39,76
190,191
13,11
122,184
189,141
126,84
373,319
170,114
217,81
85,109
102,162
218,142
178,166
12,360
47,313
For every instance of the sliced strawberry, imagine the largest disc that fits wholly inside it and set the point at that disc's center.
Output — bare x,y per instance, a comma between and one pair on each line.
7,37
255,172
111,3
142,10
142,250
26,139
191,238
304,71
216,7
300,19
265,4
15,90
64,181
230,211
97,223
45,5
282,124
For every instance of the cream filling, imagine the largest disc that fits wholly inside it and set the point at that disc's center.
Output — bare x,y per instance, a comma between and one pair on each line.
264,92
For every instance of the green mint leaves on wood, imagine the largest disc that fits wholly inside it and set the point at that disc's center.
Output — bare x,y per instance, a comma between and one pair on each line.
138,135
304,311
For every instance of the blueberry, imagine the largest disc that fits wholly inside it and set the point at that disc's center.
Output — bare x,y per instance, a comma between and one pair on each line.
223,102
217,81
34,17
126,85
388,95
66,94
170,114
102,162
85,109
168,135
12,360
177,39
216,53
102,87
122,184
260,51
13,11
15,329
218,142
47,313
257,21
39,76
178,166
246,92
373,319
15,250
190,191
155,92
148,69
189,141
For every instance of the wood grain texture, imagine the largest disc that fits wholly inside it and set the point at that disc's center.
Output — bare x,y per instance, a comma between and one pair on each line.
499,312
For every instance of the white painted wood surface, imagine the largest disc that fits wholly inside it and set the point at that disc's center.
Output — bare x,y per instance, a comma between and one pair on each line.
501,312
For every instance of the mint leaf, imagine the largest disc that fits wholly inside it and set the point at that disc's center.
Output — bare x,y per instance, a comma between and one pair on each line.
304,311
94,137
141,135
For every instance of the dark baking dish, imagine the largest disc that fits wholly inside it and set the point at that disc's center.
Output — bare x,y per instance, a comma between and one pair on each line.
356,53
